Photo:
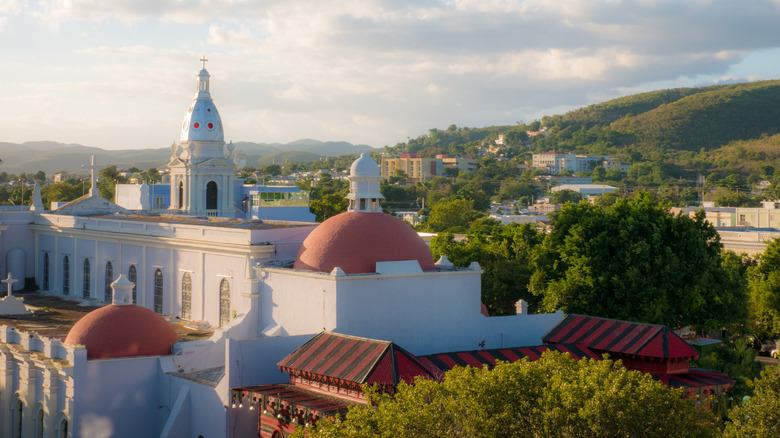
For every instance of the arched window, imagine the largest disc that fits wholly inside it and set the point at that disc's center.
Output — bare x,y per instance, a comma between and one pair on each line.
158,291
211,196
181,194
39,425
186,296
107,292
46,271
85,287
224,302
65,275
132,275
62,430
17,417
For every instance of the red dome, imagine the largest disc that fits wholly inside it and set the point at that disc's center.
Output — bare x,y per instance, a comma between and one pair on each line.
122,331
356,241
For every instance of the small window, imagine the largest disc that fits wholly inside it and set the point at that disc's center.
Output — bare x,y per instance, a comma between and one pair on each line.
186,297
132,275
158,291
46,271
107,292
65,275
85,285
224,302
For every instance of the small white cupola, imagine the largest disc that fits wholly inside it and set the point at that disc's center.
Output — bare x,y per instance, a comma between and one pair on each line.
122,291
365,179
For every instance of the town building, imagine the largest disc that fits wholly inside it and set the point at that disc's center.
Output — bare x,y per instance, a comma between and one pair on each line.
418,169
553,162
585,189
263,288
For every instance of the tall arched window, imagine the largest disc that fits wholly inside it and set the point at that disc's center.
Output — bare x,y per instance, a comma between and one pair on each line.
85,286
62,430
46,271
132,275
17,421
107,292
39,425
158,291
65,276
181,194
224,302
211,196
186,296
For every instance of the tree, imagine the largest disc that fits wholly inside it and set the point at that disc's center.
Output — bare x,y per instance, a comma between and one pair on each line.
504,253
555,396
635,261
564,196
764,293
272,170
108,178
454,215
330,205
759,417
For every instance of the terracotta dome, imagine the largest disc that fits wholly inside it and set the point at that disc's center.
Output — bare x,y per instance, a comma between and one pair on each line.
356,241
122,331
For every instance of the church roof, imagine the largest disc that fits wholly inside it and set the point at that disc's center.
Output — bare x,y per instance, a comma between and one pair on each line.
88,205
488,358
620,337
115,331
349,359
356,241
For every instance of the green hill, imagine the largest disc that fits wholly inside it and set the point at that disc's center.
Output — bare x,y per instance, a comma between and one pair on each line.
686,119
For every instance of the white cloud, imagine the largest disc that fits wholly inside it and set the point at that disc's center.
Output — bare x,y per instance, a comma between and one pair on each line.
307,67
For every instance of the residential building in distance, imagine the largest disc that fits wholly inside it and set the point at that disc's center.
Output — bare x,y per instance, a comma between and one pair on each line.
553,163
420,169
585,189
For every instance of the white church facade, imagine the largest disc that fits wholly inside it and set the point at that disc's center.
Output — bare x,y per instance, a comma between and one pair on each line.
266,287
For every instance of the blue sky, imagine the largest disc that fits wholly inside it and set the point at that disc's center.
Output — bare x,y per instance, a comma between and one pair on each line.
120,74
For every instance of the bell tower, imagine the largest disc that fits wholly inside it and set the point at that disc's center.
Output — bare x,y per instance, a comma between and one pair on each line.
202,173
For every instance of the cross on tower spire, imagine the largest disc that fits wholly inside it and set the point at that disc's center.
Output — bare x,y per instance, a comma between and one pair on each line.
203,60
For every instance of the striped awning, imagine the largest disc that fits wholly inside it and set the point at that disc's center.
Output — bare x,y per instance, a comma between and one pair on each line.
620,337
694,378
341,358
320,403
488,358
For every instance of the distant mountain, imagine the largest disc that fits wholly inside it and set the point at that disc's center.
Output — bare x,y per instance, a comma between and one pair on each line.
52,157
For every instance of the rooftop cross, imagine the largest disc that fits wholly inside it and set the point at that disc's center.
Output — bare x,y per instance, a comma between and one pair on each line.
10,282
92,179
203,60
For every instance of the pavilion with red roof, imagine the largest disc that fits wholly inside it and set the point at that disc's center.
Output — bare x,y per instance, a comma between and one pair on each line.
650,348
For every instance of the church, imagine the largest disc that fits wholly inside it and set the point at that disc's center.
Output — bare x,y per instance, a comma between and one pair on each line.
265,286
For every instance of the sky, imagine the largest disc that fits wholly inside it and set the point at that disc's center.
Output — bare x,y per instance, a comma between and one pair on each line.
120,74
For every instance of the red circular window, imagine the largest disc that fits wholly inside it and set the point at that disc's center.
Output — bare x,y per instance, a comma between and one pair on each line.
211,125
196,125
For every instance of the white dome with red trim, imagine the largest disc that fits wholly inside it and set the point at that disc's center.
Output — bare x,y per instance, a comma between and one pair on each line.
202,121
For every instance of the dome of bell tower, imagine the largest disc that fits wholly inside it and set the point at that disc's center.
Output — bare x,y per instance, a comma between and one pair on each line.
202,121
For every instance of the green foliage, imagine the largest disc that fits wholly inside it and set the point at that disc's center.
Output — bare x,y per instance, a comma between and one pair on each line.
635,261
454,215
760,417
764,293
272,170
555,396
564,196
328,206
504,253
737,358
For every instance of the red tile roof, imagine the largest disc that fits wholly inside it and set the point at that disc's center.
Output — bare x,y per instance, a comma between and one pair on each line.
620,337
488,358
695,377
343,358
